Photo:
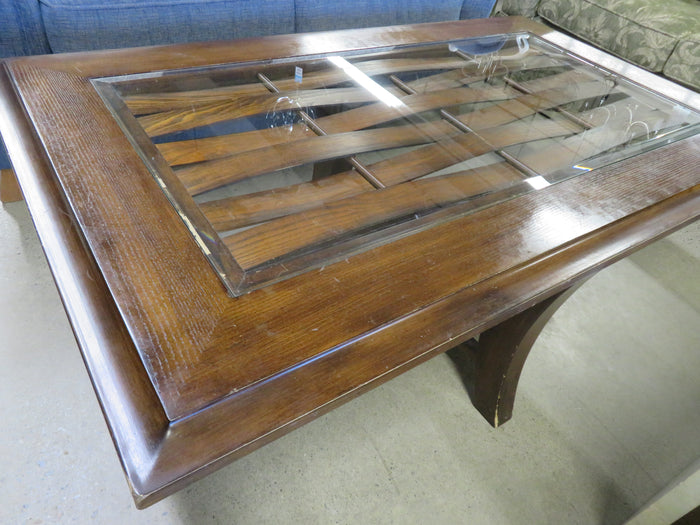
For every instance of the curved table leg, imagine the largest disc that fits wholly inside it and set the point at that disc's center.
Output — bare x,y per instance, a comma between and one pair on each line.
501,355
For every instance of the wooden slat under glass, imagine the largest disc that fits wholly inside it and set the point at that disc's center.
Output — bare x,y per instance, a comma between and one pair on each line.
280,167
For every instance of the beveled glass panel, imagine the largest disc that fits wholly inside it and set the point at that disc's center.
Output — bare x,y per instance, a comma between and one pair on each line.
283,166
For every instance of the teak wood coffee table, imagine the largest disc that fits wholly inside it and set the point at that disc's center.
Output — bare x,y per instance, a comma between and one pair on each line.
246,234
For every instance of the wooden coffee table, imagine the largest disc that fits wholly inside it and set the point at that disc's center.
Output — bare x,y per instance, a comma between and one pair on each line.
247,234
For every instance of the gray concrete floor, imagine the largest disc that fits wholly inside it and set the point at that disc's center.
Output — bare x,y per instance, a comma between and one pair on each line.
607,414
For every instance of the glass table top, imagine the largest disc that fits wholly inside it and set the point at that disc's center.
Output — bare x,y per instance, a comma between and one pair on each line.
282,166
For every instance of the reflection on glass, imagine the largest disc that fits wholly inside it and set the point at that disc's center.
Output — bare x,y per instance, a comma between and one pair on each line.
366,82
285,166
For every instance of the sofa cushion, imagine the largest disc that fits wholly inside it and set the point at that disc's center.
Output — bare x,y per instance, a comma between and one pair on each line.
684,63
77,25
21,29
315,15
476,9
645,33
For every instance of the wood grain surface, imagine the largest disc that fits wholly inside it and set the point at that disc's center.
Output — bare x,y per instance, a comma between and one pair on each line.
188,377
234,212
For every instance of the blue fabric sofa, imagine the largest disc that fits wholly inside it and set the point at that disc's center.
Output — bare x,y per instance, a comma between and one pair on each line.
30,27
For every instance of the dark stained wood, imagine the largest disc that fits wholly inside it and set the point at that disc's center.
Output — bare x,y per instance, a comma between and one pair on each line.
255,246
450,146
525,105
246,106
491,301
501,354
141,103
191,151
156,102
234,212
441,155
188,377
561,88
359,118
213,174
379,113
176,112
9,187
133,413
276,238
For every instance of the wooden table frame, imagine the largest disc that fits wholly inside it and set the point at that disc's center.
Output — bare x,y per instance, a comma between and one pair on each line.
500,272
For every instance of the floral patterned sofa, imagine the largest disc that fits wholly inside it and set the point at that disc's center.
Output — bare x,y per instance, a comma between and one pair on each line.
662,36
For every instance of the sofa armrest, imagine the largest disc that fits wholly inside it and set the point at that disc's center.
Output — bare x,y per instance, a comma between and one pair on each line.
519,7
659,35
